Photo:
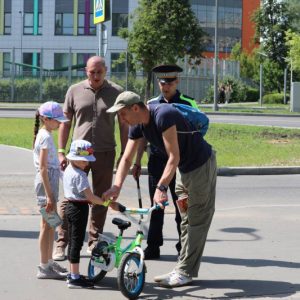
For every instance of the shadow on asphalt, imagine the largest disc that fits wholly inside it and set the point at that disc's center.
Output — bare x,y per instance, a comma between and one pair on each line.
239,288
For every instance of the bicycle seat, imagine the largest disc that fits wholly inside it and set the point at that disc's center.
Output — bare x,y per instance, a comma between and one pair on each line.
121,223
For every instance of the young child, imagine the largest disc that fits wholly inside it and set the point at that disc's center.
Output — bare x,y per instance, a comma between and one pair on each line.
47,183
79,195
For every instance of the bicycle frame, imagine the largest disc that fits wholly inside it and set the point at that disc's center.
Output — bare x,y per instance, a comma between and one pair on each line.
114,246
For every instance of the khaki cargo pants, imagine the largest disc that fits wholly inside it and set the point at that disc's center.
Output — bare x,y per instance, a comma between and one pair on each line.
200,186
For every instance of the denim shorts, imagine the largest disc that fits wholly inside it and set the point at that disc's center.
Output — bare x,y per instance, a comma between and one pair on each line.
53,175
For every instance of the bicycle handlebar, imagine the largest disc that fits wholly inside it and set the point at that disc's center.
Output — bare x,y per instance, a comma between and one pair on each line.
140,211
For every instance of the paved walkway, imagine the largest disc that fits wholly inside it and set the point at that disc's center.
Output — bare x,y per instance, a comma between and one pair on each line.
252,250
17,177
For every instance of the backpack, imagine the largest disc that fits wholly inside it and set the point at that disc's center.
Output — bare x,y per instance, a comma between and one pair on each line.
194,116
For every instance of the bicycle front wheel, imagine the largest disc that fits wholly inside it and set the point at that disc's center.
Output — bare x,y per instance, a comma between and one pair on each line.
98,262
131,283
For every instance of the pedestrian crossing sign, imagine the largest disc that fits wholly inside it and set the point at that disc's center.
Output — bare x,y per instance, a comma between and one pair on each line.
99,11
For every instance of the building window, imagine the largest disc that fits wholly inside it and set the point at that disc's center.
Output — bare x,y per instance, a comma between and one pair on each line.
29,24
7,24
28,21
28,59
7,17
116,67
86,24
229,22
83,28
64,24
119,21
6,65
119,17
61,60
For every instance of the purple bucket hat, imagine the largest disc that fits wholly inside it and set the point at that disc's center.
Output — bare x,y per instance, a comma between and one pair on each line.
52,110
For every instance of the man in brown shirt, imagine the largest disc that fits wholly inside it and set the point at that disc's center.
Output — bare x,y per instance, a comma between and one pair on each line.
85,104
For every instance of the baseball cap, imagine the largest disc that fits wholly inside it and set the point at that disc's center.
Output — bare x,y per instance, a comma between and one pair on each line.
81,150
125,99
166,73
52,110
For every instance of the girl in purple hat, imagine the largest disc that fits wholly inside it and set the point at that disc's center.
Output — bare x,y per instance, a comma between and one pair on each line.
46,163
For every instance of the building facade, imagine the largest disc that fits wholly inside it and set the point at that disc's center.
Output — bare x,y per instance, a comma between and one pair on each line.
59,33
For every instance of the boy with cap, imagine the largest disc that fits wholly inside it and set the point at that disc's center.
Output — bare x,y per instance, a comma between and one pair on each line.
196,180
79,195
167,78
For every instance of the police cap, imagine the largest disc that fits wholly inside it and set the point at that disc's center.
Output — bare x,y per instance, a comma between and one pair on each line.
166,73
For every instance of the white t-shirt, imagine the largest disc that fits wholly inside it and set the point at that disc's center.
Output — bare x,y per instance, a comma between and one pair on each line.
44,140
75,182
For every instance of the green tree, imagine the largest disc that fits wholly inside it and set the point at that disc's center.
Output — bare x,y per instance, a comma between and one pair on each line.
249,65
293,42
293,7
163,31
272,20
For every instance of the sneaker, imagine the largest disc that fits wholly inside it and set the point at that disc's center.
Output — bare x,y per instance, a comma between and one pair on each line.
151,253
175,280
80,283
48,273
90,249
59,269
59,254
160,278
69,277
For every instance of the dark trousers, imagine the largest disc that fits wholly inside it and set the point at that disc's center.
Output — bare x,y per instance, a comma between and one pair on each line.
77,216
102,174
156,166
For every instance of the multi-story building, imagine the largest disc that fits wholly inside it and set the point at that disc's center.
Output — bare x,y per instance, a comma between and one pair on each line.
56,33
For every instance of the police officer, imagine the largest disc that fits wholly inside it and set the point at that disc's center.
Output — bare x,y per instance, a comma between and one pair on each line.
167,77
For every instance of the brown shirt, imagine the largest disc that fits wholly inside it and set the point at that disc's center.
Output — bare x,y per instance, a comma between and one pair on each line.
92,122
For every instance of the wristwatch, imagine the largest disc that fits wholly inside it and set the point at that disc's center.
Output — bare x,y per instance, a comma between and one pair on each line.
162,188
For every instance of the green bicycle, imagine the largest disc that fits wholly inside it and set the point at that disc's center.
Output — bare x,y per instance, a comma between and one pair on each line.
129,261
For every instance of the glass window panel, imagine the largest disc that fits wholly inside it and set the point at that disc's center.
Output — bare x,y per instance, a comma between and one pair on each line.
61,60
28,19
68,20
119,21
81,20
116,68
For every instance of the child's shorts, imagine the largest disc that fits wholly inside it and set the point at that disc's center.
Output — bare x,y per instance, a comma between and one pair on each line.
53,175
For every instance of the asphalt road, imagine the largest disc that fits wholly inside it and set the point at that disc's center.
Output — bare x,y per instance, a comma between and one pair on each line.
261,120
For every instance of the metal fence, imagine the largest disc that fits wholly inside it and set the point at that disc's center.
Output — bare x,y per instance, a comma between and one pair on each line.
26,83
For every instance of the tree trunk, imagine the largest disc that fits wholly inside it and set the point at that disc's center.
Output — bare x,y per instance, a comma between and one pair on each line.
148,86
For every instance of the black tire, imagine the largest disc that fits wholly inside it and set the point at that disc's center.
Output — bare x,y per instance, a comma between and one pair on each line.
130,283
95,272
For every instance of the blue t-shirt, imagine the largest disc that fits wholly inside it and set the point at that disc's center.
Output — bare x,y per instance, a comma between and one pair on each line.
194,150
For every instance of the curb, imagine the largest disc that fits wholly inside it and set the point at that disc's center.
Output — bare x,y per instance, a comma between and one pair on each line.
234,171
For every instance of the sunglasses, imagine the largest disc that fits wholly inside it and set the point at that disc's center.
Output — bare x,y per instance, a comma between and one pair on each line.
84,152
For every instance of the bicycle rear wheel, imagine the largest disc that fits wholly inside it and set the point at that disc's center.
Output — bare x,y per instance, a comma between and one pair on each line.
130,282
98,261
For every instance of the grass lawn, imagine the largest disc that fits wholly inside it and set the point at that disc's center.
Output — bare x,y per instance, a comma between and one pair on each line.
236,145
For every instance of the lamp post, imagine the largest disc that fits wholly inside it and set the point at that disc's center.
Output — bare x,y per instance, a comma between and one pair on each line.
21,32
216,59
261,88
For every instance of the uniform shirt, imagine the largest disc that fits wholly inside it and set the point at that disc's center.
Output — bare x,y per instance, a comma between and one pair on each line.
92,122
44,140
194,150
75,181
175,99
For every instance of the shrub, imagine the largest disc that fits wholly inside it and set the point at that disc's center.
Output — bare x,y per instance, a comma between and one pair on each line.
27,90
55,89
275,98
239,90
252,94
5,90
